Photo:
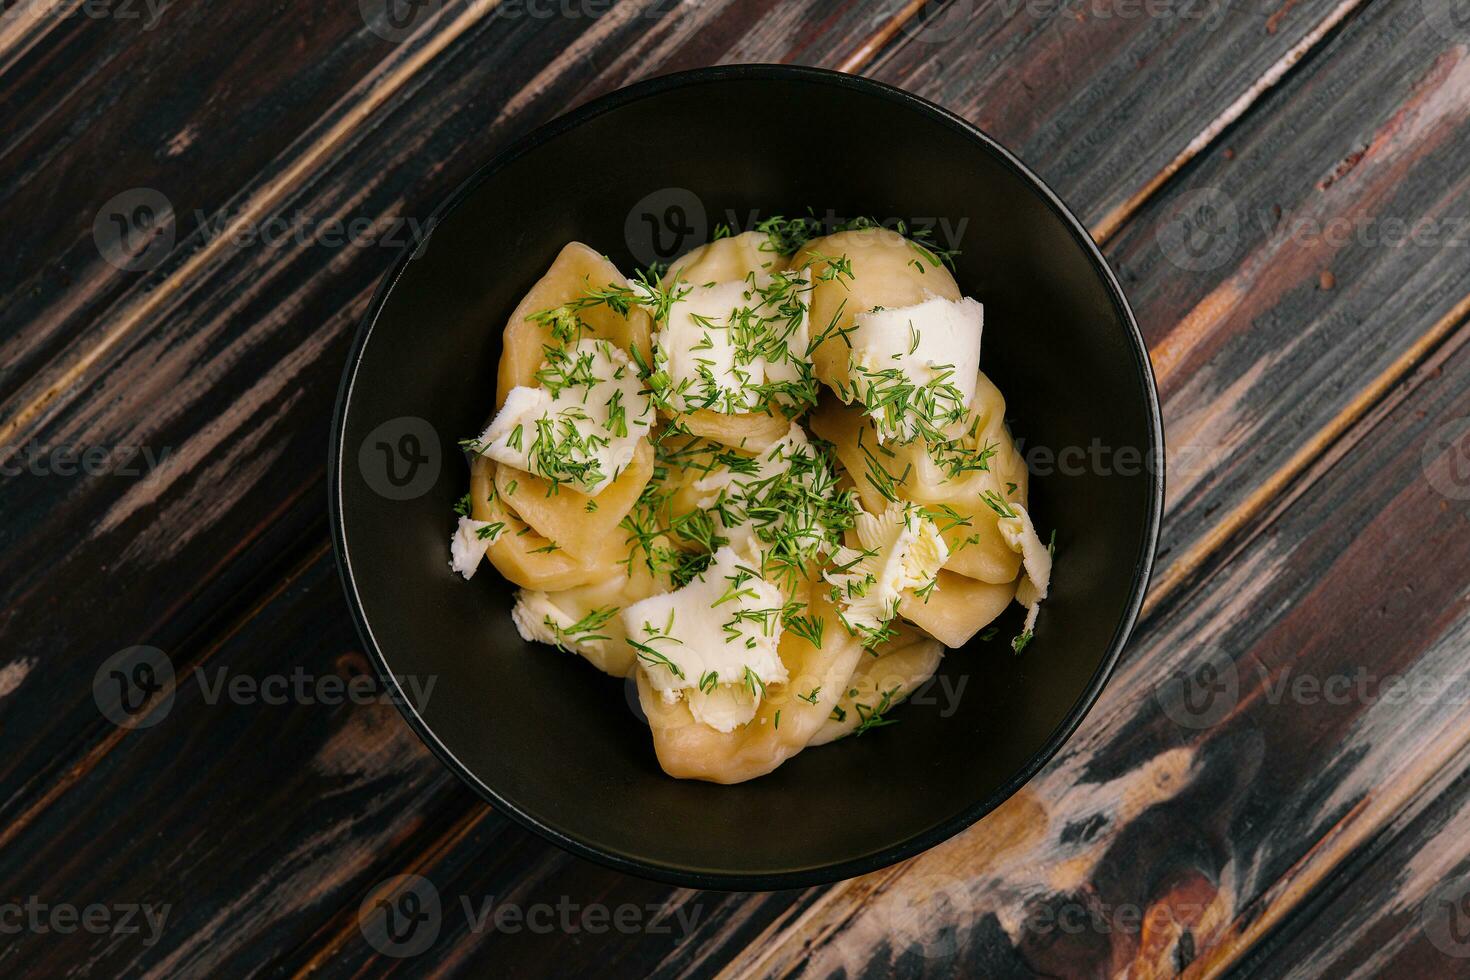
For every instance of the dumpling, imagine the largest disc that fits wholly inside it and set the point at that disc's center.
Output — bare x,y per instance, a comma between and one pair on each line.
751,431
731,349
979,577
911,472
728,259
576,522
587,620
788,717
957,608
648,484
565,287
562,315
855,271
884,678
532,560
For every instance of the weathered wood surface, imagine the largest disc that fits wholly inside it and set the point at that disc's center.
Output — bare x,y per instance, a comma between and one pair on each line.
265,826
1393,916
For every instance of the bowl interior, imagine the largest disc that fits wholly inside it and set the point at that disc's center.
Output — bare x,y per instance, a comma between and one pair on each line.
649,174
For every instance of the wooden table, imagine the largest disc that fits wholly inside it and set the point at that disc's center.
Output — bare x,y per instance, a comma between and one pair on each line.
165,425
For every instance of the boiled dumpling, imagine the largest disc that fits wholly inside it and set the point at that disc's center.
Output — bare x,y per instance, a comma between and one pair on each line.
731,346
770,486
855,271
787,718
957,608
587,620
570,361
580,524
727,260
910,472
531,560
565,288
883,679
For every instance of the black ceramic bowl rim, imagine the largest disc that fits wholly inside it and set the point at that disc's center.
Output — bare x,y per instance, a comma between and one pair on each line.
902,849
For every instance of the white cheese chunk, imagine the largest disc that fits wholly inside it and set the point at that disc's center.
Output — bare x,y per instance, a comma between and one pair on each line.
581,425
1021,537
565,619
724,707
733,347
914,367
900,549
537,618
470,541
721,630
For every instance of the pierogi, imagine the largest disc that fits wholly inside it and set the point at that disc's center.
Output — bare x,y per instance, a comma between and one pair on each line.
769,486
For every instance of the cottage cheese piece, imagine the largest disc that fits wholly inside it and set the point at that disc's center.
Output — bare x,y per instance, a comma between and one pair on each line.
932,347
538,619
723,340
730,496
467,545
581,425
695,644
1020,535
901,549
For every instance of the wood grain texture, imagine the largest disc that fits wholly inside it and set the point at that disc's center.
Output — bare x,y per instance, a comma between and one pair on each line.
1103,100
1390,913
208,357
1313,294
82,91
325,784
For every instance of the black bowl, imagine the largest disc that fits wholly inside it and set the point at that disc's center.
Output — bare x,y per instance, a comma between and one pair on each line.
643,174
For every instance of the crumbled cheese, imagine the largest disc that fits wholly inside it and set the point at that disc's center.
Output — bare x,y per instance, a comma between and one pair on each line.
914,368
900,549
1021,537
581,425
734,347
470,541
536,618
714,636
541,617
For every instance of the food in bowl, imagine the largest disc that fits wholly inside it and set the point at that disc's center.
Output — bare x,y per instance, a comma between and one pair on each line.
770,484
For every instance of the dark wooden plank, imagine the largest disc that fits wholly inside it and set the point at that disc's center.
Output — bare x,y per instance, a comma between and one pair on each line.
1107,100
1392,915
326,784
232,138
98,106
1310,300
507,900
